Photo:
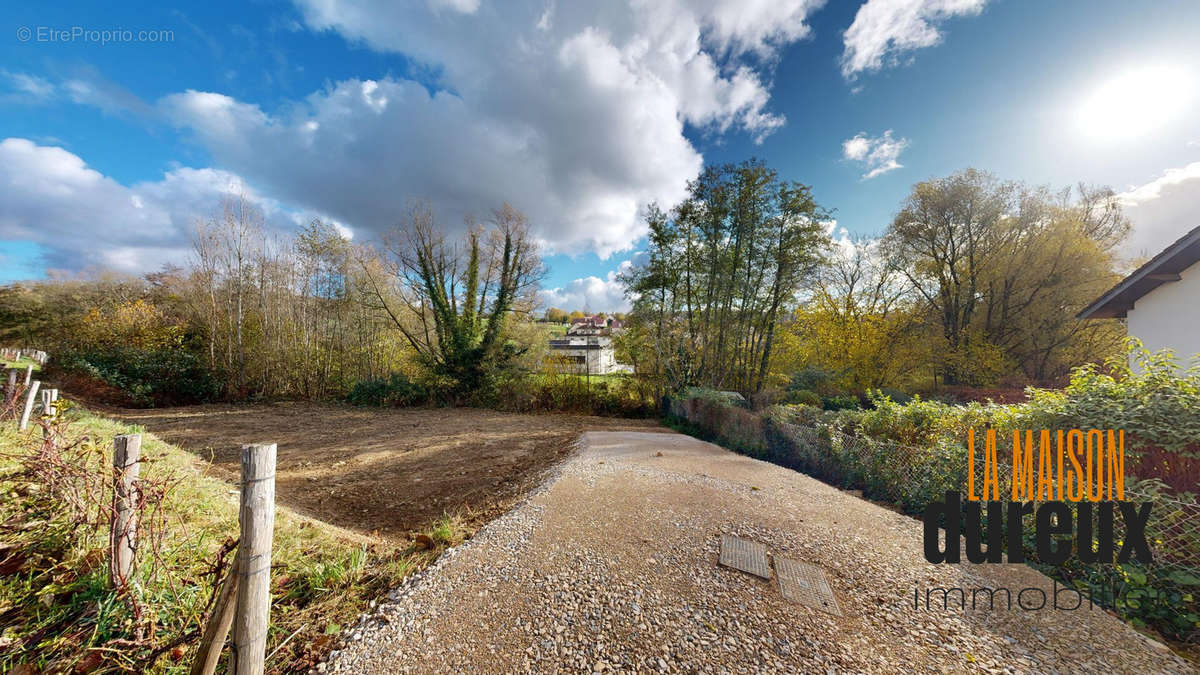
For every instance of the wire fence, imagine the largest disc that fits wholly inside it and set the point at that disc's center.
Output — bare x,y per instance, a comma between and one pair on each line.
910,477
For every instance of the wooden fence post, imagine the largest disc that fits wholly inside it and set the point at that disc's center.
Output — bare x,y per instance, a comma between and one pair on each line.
257,519
127,449
31,396
49,396
28,374
208,654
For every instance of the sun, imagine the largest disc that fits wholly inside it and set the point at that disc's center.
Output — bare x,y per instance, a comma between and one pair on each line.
1135,102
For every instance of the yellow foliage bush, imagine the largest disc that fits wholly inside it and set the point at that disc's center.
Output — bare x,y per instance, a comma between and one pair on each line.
136,323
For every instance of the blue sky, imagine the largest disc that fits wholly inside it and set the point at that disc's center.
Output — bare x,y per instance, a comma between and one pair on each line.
578,114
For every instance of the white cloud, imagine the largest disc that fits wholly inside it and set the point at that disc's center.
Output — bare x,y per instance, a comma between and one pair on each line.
1162,210
844,244
86,86
84,219
885,29
94,90
30,87
878,155
856,148
572,112
577,119
591,293
460,6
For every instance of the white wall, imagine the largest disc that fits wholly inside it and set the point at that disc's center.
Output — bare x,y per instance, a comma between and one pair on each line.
598,361
1169,316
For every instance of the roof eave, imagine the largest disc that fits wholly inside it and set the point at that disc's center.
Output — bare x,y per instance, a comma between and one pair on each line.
1161,269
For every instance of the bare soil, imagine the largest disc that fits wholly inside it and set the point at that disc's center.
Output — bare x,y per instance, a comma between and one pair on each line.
382,472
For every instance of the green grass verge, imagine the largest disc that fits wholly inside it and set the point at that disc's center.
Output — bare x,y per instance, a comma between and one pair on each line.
5,364
59,613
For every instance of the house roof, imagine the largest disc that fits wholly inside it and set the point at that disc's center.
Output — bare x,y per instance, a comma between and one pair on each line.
1161,269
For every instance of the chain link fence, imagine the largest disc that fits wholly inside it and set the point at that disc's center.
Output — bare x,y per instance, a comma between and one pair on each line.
911,477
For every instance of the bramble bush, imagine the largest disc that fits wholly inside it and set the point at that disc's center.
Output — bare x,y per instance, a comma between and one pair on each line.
149,376
1148,396
395,390
841,402
802,397
559,392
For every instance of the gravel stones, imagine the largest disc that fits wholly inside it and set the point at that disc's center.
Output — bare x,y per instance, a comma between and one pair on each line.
612,567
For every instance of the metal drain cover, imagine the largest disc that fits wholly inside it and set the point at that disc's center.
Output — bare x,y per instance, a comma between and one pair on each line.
745,555
805,584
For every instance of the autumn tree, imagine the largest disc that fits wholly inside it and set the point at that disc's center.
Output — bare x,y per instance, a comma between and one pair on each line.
1003,267
856,322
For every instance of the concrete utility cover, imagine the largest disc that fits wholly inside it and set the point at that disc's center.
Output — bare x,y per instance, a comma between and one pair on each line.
805,584
745,555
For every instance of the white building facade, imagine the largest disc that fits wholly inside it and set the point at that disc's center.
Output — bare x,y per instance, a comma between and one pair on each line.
1160,301
1169,317
585,355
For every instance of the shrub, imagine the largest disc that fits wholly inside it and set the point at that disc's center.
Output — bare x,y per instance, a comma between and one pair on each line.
732,398
557,392
766,398
732,425
893,395
148,376
841,402
395,390
813,378
802,397
1152,400
807,415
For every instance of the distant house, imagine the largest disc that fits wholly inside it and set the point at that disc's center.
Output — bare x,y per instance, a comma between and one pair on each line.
1160,301
586,327
594,325
587,348
586,355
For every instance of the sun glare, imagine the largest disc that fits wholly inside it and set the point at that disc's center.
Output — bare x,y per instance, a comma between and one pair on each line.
1135,102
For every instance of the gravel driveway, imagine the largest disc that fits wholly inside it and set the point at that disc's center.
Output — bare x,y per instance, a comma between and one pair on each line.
612,566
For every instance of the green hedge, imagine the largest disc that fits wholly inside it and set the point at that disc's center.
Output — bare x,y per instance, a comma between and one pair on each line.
149,377
395,390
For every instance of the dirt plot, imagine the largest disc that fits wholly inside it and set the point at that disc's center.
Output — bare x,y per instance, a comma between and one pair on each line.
388,471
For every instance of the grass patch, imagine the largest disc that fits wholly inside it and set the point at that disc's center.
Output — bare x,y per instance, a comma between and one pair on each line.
451,530
58,611
5,364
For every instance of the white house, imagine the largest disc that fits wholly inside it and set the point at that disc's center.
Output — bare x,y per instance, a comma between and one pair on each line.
1160,301
586,355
